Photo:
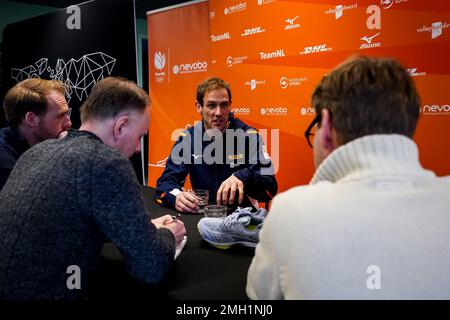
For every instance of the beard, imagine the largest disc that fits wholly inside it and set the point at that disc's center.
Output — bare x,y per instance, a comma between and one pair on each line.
44,133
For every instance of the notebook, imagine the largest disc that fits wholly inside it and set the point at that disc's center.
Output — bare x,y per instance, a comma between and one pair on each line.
180,247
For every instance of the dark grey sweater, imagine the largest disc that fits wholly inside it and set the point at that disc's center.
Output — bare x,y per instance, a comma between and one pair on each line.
64,198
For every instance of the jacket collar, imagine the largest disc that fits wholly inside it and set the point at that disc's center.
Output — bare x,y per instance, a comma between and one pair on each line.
75,133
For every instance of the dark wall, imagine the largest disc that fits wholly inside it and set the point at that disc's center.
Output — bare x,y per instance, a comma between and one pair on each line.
45,47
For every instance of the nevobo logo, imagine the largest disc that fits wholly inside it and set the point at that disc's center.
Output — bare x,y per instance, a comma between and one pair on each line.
236,8
435,109
199,66
274,111
241,110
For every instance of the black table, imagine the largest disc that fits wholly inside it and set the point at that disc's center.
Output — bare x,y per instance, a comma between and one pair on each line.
200,272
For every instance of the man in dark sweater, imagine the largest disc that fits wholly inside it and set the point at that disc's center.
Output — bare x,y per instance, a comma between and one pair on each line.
36,110
65,197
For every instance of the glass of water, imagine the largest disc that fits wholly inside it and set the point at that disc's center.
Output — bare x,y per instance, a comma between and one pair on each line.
203,197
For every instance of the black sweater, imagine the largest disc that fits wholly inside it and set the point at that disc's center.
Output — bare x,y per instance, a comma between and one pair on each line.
63,199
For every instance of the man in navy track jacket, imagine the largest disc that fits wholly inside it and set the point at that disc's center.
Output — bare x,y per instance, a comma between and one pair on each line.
220,154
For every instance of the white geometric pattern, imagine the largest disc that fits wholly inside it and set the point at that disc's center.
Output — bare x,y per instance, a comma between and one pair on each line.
80,75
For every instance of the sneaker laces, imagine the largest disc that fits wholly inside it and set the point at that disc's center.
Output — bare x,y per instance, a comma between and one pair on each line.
243,210
229,222
235,218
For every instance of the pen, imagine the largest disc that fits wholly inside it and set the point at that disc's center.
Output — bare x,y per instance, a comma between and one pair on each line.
175,218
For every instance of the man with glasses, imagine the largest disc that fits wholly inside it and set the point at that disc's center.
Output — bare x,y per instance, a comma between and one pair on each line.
221,154
36,110
373,223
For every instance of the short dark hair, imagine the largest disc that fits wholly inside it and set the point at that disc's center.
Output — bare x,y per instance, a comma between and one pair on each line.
210,84
113,95
29,95
369,96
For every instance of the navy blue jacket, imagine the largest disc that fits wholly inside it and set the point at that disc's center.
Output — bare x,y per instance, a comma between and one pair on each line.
12,145
210,161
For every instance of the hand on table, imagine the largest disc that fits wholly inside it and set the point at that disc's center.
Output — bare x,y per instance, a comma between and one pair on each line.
176,226
227,191
186,202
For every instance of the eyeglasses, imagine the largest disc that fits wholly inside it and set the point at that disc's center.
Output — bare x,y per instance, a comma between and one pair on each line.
308,133
316,120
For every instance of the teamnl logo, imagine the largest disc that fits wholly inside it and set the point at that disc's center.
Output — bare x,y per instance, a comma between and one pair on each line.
252,31
272,55
436,29
274,111
315,49
223,36
339,10
198,66
236,8
253,83
242,111
435,110
159,61
369,42
231,61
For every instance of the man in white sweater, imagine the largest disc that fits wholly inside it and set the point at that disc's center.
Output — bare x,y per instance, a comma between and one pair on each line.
372,224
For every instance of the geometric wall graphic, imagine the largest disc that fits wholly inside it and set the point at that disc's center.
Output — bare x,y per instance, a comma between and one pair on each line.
79,75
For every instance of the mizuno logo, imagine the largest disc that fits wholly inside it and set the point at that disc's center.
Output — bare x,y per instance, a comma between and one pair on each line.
291,21
369,39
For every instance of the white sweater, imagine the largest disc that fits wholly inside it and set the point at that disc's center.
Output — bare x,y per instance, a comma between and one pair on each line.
372,224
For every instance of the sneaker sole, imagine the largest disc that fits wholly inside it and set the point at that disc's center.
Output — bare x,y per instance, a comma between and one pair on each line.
225,246
228,245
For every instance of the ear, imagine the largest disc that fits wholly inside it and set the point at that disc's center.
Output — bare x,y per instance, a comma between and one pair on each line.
327,137
120,126
198,106
31,119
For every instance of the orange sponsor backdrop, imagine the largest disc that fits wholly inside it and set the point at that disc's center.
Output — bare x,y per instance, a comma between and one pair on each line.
179,58
274,53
